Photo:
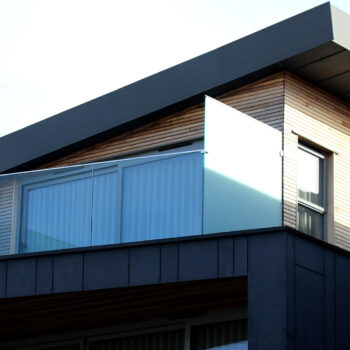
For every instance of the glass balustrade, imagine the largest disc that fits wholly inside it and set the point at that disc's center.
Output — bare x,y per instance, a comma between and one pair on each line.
235,185
111,202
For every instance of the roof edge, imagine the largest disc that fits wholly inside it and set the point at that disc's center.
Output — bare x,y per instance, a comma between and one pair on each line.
241,61
341,27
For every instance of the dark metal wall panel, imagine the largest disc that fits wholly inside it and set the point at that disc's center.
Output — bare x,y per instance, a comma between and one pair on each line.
298,287
317,295
121,266
290,260
329,290
309,255
267,292
342,299
226,257
309,305
68,273
21,277
144,265
240,262
169,263
198,260
3,278
106,269
44,275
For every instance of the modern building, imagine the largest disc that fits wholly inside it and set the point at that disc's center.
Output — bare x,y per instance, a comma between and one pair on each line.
204,207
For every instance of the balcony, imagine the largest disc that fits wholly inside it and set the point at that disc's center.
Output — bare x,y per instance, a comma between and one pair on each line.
234,185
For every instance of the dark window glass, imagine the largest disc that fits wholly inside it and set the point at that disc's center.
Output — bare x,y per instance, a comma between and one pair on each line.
63,347
220,336
172,340
310,221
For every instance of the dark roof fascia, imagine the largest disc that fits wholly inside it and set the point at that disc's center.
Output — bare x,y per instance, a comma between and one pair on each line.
229,66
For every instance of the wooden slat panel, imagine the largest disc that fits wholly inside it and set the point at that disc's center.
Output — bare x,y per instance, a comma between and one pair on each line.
325,120
262,100
6,209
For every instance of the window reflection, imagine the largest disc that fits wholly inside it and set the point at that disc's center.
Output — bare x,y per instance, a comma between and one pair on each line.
311,196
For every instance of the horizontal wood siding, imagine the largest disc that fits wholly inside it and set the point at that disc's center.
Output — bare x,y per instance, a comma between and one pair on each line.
324,120
6,210
262,100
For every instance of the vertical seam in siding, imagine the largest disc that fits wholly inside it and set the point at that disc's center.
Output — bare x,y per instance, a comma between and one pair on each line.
160,264
83,271
36,275
129,263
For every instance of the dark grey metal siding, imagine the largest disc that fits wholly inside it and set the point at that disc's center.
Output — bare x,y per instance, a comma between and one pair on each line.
124,265
298,287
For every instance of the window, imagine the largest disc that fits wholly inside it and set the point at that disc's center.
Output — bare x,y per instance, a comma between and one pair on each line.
231,335
225,330
311,192
220,336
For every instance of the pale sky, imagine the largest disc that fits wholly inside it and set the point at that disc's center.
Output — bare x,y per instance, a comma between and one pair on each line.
56,54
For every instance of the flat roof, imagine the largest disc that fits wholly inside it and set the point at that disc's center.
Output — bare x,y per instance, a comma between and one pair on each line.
313,45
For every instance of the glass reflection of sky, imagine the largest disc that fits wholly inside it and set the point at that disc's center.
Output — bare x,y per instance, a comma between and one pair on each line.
242,345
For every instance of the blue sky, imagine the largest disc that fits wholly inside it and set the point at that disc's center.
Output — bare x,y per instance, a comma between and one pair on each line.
56,54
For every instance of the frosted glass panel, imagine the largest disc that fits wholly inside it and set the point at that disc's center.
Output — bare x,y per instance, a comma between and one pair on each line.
243,171
58,215
163,198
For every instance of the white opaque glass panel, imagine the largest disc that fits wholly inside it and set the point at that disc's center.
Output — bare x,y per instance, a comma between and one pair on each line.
243,171
58,216
163,198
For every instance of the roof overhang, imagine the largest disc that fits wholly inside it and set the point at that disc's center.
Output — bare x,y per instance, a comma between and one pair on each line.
327,65
314,45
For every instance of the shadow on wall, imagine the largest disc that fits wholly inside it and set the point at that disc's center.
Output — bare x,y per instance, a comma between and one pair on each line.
230,205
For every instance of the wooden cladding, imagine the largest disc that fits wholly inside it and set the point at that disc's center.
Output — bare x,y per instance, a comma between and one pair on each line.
282,101
316,117
6,215
262,100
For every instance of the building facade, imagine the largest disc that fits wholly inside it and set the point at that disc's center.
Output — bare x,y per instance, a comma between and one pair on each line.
203,207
